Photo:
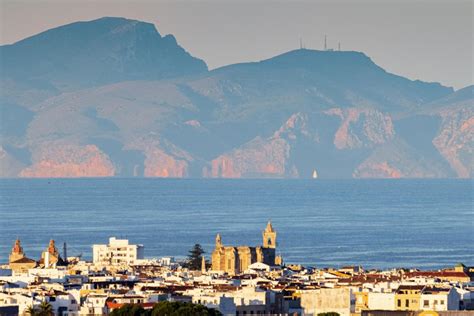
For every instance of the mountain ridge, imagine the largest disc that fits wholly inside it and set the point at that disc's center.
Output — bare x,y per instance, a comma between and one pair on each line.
334,111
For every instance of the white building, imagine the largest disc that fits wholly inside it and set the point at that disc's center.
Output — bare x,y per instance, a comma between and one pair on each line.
381,301
213,299
117,252
439,299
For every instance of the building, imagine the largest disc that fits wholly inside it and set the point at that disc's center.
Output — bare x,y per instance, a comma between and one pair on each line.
50,257
235,260
361,301
17,260
325,300
117,252
454,276
439,299
407,297
381,301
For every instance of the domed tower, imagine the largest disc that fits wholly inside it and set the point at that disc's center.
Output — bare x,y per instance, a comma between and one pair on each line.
269,236
50,256
17,252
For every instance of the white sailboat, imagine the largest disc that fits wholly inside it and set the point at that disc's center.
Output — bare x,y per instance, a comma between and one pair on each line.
315,174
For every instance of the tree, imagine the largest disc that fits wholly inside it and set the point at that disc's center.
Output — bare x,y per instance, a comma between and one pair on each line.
182,309
165,309
195,257
31,310
45,309
129,310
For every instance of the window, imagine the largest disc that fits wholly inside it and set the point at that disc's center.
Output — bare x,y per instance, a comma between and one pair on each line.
399,303
436,302
407,303
441,302
426,303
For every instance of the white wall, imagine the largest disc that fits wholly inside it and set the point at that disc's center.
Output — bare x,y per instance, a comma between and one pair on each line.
381,301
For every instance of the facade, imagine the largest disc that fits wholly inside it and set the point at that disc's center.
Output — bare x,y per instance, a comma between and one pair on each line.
381,301
439,299
117,252
235,260
325,300
407,297
17,260
361,301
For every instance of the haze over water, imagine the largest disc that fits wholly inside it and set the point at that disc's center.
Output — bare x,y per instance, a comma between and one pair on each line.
375,223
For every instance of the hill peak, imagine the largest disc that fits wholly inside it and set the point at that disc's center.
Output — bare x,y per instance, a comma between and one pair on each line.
97,52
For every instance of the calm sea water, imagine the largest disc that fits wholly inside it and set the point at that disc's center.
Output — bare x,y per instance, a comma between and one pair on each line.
375,223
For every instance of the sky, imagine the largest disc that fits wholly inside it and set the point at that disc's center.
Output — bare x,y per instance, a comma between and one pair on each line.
430,40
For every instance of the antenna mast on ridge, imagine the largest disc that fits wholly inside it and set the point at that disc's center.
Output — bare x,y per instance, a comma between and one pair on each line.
325,42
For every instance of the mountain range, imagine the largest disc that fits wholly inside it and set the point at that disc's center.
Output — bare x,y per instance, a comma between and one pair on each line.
113,97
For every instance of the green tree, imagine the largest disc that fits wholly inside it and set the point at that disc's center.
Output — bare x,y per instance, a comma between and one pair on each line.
129,310
166,309
45,309
31,310
182,309
195,257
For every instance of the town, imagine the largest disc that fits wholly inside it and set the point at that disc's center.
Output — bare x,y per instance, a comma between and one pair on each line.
237,280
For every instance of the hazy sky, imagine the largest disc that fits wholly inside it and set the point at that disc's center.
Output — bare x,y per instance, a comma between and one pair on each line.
430,40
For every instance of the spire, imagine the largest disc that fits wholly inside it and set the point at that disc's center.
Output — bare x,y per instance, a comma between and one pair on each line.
269,227
218,241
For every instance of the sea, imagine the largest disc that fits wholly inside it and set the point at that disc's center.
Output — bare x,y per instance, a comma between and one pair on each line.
428,224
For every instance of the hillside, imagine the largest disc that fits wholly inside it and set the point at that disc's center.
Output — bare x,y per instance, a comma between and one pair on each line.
153,110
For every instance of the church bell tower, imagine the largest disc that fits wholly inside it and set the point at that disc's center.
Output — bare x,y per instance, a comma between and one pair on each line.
269,236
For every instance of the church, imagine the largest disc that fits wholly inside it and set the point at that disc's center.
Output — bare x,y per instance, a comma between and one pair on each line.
18,261
235,260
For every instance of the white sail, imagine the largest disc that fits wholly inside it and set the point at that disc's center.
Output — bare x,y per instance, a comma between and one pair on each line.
315,174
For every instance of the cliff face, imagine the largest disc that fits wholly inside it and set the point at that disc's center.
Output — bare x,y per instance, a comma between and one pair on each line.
53,160
455,140
113,97
398,160
361,128
265,157
258,158
162,159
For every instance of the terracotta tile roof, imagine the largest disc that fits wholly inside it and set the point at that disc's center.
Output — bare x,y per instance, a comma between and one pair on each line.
24,260
112,305
437,274
410,287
